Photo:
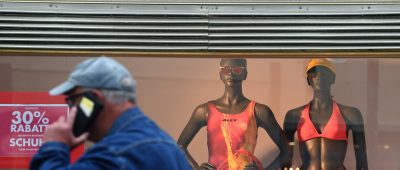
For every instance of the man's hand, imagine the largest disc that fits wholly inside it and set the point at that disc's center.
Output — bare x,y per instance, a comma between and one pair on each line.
206,166
61,131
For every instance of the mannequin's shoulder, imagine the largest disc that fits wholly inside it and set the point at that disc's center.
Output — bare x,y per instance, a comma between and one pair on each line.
202,108
259,107
264,115
350,113
348,109
295,113
200,113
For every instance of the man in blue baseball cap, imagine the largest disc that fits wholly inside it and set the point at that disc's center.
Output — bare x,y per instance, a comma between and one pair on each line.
101,94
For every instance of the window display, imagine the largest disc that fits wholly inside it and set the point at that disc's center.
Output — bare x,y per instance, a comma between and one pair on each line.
170,88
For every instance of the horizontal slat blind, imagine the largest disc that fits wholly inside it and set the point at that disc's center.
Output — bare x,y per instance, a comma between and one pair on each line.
199,27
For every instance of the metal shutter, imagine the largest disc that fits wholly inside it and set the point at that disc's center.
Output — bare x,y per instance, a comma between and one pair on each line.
199,27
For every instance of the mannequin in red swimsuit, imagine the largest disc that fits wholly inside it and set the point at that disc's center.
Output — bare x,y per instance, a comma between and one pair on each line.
323,125
232,122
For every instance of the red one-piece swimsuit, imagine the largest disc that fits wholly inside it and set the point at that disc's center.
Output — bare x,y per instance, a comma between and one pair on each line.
232,138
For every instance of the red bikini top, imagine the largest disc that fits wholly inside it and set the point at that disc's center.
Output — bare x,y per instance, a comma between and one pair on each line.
334,129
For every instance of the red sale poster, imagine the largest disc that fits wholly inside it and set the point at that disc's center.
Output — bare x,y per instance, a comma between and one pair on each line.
27,123
24,118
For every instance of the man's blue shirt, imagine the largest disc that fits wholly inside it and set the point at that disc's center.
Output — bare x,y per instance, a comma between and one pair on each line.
133,142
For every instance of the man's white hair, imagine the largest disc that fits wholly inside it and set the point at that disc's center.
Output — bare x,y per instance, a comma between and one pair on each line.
118,97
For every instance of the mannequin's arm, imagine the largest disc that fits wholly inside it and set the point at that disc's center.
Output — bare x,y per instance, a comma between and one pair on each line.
266,120
290,128
360,149
196,122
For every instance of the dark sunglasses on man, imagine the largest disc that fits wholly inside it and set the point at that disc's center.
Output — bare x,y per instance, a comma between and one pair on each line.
72,100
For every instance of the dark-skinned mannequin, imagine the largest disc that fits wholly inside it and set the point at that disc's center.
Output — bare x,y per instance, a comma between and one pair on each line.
234,102
326,152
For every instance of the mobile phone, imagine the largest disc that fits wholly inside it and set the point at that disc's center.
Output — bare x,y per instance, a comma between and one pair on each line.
87,110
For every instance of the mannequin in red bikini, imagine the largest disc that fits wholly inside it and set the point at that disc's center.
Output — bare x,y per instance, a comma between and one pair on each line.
323,125
232,122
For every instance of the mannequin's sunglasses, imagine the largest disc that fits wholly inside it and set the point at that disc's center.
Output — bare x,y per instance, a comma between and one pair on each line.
236,70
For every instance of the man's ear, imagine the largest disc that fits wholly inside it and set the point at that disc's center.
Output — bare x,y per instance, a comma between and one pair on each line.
333,78
245,75
97,93
308,80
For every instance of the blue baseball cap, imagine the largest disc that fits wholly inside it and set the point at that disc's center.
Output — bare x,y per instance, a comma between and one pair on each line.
100,72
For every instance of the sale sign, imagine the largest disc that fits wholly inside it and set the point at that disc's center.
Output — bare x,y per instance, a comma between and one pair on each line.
22,134
24,117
